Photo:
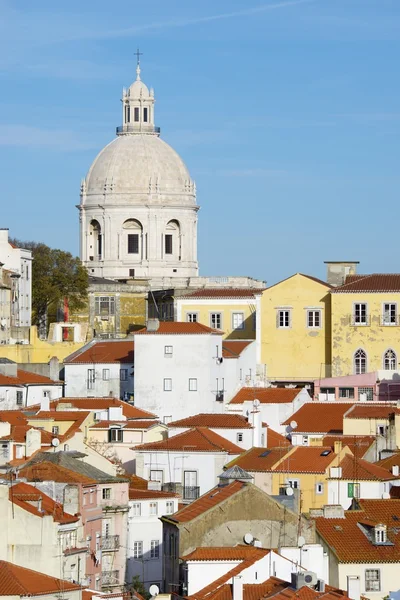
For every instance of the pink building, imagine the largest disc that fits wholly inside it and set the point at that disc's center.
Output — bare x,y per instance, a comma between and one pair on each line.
366,387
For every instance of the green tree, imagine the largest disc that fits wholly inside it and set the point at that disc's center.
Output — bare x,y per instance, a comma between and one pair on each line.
56,275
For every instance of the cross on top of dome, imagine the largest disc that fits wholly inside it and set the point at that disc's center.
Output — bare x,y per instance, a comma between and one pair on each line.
138,54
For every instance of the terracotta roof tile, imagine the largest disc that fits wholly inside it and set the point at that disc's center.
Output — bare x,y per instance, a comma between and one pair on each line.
371,411
179,328
213,420
206,502
234,348
137,494
375,282
357,469
138,482
259,459
221,590
14,417
358,444
265,395
390,461
18,434
20,581
128,410
275,439
27,378
225,553
349,541
51,472
104,352
22,494
319,417
306,459
224,293
198,439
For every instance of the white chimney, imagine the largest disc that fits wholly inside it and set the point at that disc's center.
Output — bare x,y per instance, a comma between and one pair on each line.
256,414
237,588
45,404
33,441
353,587
395,470
153,324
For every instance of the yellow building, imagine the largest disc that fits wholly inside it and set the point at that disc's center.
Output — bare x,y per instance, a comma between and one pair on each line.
293,330
365,324
232,310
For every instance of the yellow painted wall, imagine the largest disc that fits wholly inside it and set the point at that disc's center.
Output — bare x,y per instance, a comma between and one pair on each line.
296,352
204,309
308,482
39,351
374,338
363,426
63,426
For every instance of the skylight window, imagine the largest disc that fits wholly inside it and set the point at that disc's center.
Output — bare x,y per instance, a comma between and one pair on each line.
264,454
326,452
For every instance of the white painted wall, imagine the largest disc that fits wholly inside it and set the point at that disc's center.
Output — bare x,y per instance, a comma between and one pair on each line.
246,441
389,577
19,261
338,490
311,557
146,528
76,380
31,395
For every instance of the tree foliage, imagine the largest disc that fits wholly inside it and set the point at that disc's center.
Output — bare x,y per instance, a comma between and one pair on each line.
56,275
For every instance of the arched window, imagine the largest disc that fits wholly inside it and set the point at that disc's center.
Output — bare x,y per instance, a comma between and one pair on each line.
172,240
360,362
95,241
390,360
133,231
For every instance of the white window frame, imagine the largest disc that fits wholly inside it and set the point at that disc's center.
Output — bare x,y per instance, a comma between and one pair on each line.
137,509
293,483
91,379
239,318
392,361
357,364
153,509
168,351
283,318
217,315
313,312
387,316
19,397
357,318
154,549
138,550
169,510
192,384
319,488
190,315
167,384
369,581
159,477
123,374
106,374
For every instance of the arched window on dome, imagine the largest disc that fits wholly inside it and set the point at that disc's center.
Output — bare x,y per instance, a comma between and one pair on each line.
390,360
95,241
360,362
133,238
172,240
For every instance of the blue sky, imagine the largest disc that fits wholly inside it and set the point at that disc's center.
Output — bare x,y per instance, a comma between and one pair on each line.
287,113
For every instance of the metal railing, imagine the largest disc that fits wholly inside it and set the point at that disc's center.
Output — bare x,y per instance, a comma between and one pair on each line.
360,320
110,578
110,542
390,320
138,129
190,492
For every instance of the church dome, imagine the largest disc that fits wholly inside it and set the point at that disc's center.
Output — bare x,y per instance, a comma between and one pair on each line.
143,169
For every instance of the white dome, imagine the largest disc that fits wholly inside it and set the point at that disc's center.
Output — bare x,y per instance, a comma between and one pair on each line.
138,89
142,167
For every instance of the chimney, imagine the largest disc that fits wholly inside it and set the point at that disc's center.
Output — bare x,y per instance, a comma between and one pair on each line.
3,235
395,470
333,511
33,441
8,367
257,424
45,404
54,368
353,587
237,588
153,324
335,472
337,271
337,446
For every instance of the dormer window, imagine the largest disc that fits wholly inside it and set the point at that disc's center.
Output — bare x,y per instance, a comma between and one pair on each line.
380,533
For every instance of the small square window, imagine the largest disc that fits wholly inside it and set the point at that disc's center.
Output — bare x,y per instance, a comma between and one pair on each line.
238,320
167,385
216,320
106,374
283,319
168,351
170,507
137,549
319,488
154,549
353,490
136,509
106,493
360,314
191,317
372,580
192,385
55,430
314,319
153,508
239,437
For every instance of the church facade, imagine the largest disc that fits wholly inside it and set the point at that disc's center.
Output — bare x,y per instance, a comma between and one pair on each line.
138,211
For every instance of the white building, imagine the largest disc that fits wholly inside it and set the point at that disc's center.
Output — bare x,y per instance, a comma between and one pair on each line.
100,369
138,211
188,463
145,540
20,388
19,262
180,370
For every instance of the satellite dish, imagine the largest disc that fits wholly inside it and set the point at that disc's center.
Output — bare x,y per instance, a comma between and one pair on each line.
256,403
248,538
386,496
55,442
154,590
293,424
289,491
301,541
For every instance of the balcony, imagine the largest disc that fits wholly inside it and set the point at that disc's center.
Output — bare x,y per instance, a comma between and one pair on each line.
190,493
110,542
360,320
137,129
390,320
109,578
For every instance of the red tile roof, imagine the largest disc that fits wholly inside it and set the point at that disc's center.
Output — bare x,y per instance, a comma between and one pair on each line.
104,352
14,417
27,378
265,395
225,553
371,411
179,328
198,439
358,444
234,348
348,539
128,410
220,590
319,417
77,418
390,461
375,282
306,459
137,494
357,469
22,494
20,581
18,434
259,459
47,471
213,420
224,293
275,439
206,502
